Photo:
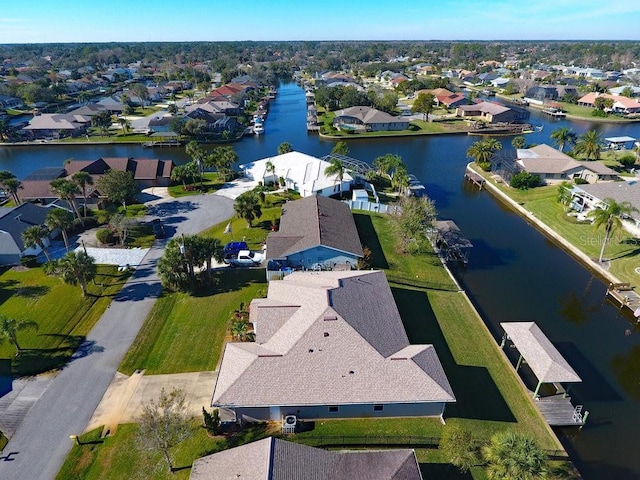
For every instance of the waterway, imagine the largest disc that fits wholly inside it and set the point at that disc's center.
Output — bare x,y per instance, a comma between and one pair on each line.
514,272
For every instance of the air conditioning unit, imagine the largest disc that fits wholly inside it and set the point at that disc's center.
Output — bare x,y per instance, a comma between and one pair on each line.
290,420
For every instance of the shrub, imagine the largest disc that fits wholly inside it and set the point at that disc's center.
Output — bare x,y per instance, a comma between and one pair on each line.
598,113
627,160
29,261
104,236
524,181
579,181
486,166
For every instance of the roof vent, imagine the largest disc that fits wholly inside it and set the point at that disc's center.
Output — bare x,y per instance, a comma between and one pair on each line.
330,318
326,334
311,350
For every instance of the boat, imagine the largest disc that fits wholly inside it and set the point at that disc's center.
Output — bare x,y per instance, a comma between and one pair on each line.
258,126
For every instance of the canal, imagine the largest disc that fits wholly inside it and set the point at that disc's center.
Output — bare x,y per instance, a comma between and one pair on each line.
514,272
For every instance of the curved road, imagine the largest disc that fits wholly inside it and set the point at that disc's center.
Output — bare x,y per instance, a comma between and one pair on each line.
41,443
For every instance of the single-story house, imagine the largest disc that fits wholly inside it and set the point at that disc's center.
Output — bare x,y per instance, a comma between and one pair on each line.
451,101
302,173
14,221
315,233
621,104
368,119
147,172
553,166
275,459
51,125
156,122
493,112
329,345
588,197
7,102
88,110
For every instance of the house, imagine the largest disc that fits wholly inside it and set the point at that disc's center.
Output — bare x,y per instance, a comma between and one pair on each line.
587,197
621,104
300,172
147,172
367,119
7,102
493,112
329,345
451,101
14,221
275,459
552,166
54,125
315,233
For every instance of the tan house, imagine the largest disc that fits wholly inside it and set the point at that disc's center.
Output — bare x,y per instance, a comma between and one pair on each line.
367,119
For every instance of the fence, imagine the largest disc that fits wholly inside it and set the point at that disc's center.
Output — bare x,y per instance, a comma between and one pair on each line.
393,278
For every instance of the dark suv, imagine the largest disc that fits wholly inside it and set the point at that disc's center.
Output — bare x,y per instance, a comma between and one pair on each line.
232,249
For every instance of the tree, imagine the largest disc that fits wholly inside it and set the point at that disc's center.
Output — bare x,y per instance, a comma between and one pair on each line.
627,92
121,224
519,142
414,221
180,173
102,121
400,179
271,168
58,218
82,179
163,424
524,180
610,217
118,186
563,196
336,168
124,124
211,421
223,158
459,447
483,150
589,145
75,268
172,267
387,164
424,104
628,160
211,248
33,236
247,206
512,455
197,154
9,328
563,137
340,148
11,186
67,190
239,325
284,147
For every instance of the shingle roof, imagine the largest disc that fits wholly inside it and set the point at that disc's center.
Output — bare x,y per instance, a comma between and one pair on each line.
546,159
348,338
368,115
543,358
16,220
311,222
619,191
275,459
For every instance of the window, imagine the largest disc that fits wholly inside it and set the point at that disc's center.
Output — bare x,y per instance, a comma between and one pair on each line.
333,409
378,408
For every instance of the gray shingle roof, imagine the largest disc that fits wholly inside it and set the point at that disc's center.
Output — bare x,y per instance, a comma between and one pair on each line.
311,222
348,338
16,220
368,115
275,459
619,191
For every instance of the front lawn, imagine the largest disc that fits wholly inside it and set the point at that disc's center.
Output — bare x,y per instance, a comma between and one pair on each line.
64,317
210,184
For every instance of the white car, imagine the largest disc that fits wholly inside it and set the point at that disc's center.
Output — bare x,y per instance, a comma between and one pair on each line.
246,258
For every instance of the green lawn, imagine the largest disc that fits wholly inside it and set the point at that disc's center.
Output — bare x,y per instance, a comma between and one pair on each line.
185,333
210,184
63,325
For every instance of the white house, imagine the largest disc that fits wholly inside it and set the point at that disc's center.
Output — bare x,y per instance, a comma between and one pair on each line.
329,345
301,172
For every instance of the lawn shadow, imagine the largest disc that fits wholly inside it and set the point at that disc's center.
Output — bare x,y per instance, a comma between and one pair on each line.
229,280
369,238
477,395
37,360
443,470
32,292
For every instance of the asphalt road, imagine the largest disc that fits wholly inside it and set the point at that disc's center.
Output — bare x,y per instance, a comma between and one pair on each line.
41,443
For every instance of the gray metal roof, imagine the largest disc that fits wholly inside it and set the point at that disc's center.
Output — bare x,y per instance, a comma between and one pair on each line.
543,358
275,459
452,235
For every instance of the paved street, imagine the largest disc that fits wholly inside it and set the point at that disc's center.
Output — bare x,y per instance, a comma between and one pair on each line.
41,442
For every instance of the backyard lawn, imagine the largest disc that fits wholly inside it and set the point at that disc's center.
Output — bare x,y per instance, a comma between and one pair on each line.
29,294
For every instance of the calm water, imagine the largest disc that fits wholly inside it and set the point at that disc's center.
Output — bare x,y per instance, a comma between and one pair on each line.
514,273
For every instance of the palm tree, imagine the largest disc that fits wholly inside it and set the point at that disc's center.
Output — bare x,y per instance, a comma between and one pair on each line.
563,137
211,248
11,186
247,206
76,268
124,124
610,216
512,455
285,147
196,152
336,168
271,168
33,236
9,328
480,151
589,145
340,148
67,190
82,179
519,142
180,173
61,219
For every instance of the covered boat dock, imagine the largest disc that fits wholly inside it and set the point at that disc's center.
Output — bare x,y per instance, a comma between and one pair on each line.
451,243
620,143
549,366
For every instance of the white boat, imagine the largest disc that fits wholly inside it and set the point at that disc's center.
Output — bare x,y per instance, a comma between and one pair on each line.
258,127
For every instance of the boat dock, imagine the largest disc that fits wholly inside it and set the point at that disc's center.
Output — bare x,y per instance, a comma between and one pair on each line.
554,112
558,411
475,178
625,297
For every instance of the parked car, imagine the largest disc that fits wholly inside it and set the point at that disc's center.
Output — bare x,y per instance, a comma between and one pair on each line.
232,249
246,258
158,228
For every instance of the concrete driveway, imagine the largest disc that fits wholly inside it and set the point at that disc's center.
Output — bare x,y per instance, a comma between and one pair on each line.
41,442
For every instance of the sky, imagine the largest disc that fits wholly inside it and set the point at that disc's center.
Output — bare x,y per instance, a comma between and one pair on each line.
53,21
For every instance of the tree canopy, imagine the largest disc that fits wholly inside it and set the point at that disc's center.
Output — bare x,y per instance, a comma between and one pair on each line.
118,186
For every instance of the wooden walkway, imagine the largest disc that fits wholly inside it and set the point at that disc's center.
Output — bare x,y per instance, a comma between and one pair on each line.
474,178
558,411
625,296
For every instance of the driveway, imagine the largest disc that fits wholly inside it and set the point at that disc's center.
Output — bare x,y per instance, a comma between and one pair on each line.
41,442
